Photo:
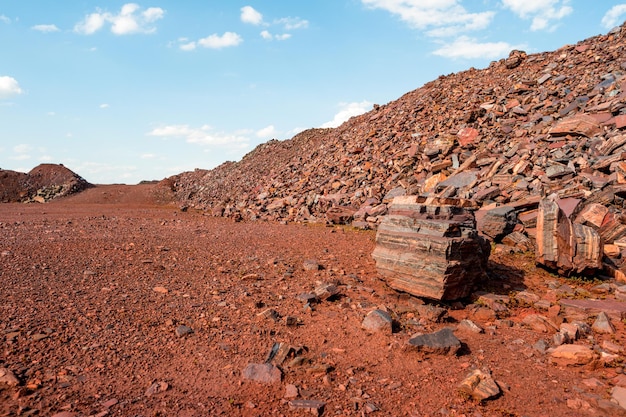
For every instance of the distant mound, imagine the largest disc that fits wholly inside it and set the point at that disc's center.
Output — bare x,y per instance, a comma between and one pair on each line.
525,127
43,183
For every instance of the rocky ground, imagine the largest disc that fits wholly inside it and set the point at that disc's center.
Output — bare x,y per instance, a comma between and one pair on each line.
114,302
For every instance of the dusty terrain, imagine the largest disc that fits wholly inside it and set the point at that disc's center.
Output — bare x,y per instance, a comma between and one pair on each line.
94,289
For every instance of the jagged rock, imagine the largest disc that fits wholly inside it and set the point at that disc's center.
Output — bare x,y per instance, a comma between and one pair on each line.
378,321
603,324
8,378
430,248
479,385
572,355
496,222
565,246
314,407
443,342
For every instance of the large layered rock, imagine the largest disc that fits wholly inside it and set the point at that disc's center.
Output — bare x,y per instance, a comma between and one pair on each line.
429,247
564,245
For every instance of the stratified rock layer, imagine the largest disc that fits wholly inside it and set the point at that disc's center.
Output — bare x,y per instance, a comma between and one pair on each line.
429,247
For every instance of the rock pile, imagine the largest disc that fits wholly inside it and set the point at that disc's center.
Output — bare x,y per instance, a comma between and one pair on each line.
524,128
43,183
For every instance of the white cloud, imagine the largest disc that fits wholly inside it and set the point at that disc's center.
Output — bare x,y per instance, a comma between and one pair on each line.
542,12
437,17
128,21
45,28
216,41
51,113
104,106
9,87
266,132
613,17
4,19
202,136
469,48
45,158
292,23
348,110
268,36
251,16
147,156
190,46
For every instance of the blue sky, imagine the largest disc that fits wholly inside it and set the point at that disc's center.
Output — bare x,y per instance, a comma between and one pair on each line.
121,92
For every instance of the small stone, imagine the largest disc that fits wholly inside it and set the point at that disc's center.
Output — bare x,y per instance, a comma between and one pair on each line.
539,323
378,321
160,290
156,388
603,324
314,407
110,403
326,291
291,391
572,355
571,330
311,265
269,314
8,378
541,346
264,373
183,330
470,326
479,385
431,313
443,342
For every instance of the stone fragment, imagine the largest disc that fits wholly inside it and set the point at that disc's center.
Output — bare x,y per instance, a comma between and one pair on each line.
431,313
580,124
160,290
429,247
264,373
311,265
269,314
496,222
156,388
539,323
469,326
8,378
603,324
468,136
326,291
378,321
442,342
572,355
479,385
340,215
518,240
183,330
291,391
314,407
613,308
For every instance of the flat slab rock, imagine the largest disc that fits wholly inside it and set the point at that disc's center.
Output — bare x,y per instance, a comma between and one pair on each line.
613,308
264,373
443,342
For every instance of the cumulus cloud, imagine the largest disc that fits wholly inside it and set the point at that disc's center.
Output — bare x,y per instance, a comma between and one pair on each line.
436,17
9,87
104,106
348,110
542,12
216,41
469,48
266,132
613,17
130,19
251,16
203,135
45,28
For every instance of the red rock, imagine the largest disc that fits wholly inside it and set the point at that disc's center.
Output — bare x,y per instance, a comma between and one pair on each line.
467,136
580,124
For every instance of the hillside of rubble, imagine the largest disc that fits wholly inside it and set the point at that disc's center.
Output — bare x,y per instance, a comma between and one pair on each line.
526,126
41,184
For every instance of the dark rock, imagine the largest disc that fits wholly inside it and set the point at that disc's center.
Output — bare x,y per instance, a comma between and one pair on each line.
443,342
